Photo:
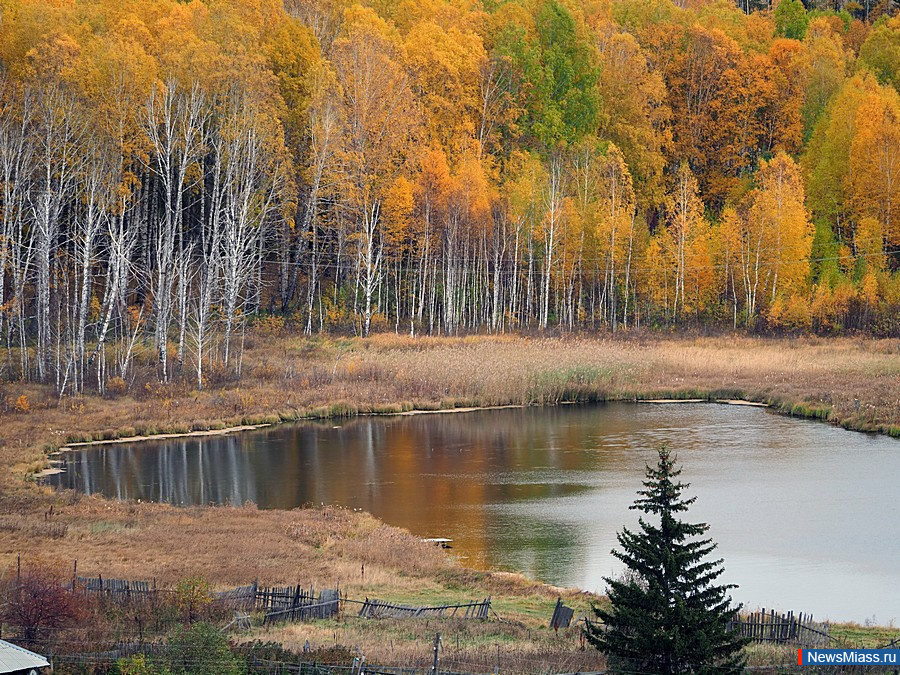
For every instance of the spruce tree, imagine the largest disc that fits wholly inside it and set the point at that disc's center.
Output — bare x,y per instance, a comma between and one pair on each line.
668,614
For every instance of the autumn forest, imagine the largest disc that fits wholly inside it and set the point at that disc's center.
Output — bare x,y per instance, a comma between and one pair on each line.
173,174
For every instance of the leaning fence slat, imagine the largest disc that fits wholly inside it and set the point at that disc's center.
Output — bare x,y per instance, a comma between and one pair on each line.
377,609
781,628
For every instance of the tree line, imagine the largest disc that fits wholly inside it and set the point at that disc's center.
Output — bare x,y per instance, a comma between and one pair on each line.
173,171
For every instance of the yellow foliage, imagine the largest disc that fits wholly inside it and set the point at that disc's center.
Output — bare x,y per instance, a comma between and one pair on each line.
793,313
830,307
634,113
869,288
397,211
446,66
874,175
781,227
870,243
22,405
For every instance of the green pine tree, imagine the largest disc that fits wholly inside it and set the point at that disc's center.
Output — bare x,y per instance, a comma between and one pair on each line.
668,614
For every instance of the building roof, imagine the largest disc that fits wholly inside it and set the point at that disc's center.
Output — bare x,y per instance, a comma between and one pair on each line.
14,659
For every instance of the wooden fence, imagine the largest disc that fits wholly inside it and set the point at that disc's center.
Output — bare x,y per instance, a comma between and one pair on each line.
787,628
294,603
562,616
242,598
290,603
118,589
378,609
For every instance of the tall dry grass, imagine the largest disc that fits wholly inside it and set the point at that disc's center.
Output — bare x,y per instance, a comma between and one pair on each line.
855,382
466,646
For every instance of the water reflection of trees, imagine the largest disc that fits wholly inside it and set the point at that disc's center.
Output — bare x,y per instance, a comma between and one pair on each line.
438,475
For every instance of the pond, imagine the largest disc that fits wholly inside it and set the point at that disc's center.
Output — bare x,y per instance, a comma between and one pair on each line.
806,515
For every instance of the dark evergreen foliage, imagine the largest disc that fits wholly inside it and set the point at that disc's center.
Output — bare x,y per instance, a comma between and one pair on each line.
668,614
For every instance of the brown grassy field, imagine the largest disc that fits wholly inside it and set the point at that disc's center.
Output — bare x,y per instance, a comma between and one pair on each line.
853,382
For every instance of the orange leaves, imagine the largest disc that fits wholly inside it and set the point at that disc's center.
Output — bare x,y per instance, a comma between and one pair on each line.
778,214
463,196
543,135
473,193
830,307
377,108
718,97
634,114
784,117
397,212
435,184
446,69
874,176
680,272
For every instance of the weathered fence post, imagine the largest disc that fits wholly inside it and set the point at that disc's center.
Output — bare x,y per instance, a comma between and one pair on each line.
437,645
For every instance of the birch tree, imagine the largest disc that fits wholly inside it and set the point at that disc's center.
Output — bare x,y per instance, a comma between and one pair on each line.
252,178
16,158
58,131
174,120
378,116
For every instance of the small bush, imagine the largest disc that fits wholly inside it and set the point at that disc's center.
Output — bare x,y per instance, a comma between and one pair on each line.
38,603
116,387
22,405
192,595
202,650
270,325
140,665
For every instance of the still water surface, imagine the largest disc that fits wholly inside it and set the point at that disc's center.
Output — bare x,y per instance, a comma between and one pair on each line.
807,516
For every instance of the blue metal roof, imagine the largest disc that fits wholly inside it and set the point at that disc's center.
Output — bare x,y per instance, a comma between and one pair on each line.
13,658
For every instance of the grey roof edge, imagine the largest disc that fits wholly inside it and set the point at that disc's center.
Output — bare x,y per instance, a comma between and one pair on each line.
14,658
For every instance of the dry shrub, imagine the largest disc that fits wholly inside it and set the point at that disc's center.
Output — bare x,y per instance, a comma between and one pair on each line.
269,325
219,375
359,371
265,371
192,597
467,646
317,376
33,528
37,603
22,405
313,534
21,502
394,548
116,387
317,527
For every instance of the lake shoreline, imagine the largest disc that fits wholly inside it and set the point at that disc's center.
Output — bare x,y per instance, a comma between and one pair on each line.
795,410
543,460
68,447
